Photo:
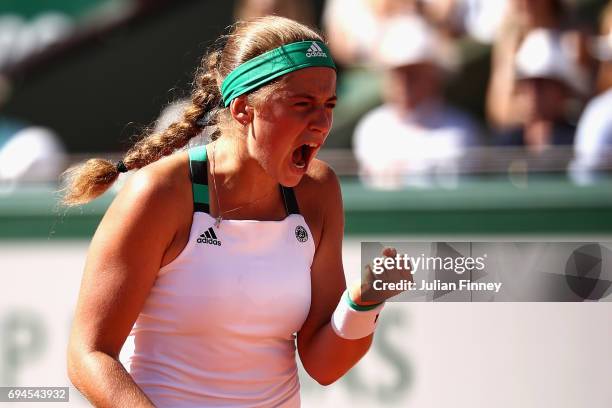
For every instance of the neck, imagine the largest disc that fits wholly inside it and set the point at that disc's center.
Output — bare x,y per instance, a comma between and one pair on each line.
240,180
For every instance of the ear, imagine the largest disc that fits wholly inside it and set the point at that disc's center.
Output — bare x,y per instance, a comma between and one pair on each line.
241,110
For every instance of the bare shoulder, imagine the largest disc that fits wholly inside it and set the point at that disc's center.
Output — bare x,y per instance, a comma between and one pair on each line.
320,188
151,210
320,199
320,179
164,183
156,198
165,179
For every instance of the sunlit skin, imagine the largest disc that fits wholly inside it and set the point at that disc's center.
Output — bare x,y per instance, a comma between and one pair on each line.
253,162
298,113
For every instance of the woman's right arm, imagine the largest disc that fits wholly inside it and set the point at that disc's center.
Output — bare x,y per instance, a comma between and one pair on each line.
123,261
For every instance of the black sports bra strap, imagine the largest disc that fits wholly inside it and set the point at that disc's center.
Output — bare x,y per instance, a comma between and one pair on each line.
199,179
290,201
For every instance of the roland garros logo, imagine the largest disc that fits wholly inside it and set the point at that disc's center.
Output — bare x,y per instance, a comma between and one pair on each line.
301,234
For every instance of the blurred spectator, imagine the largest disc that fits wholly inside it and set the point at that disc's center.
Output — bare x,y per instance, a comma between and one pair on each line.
27,153
593,145
414,138
601,49
480,19
301,11
32,154
546,77
20,39
522,17
353,27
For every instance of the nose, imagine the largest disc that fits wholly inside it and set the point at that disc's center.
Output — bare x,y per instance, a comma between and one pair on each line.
321,121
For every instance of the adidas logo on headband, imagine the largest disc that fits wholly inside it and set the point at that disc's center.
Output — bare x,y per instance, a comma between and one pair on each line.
315,51
265,67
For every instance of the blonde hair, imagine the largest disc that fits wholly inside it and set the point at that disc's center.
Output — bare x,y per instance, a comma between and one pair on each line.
246,40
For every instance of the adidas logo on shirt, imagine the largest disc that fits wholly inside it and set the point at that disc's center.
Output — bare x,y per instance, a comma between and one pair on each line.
315,51
209,237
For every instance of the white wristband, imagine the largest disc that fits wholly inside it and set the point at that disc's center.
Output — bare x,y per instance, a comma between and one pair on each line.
351,321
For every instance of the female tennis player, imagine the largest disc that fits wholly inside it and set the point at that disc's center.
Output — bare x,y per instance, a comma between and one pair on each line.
217,258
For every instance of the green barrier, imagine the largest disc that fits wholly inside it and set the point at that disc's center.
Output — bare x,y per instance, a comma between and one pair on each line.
485,206
481,207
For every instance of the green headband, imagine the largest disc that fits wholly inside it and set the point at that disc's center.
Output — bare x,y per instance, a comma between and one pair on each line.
274,63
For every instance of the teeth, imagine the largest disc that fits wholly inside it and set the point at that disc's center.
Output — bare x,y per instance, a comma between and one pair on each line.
313,145
300,165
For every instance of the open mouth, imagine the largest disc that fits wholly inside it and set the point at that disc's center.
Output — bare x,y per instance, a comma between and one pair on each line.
303,155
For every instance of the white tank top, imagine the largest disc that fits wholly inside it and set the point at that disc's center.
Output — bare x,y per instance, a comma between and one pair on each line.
218,328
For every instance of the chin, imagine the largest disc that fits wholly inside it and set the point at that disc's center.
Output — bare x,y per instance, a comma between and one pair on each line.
291,177
290,181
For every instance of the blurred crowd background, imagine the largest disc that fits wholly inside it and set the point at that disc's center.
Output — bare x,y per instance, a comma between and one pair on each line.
431,92
467,120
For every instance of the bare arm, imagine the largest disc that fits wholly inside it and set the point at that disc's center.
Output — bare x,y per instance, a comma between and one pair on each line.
326,356
123,260
500,106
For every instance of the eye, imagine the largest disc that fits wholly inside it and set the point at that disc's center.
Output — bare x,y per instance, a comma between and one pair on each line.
302,104
331,105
